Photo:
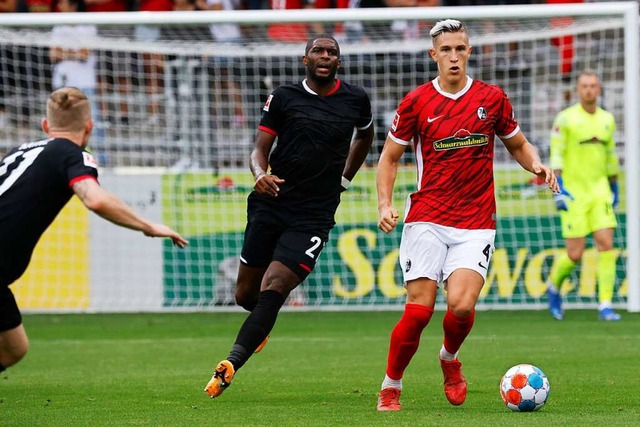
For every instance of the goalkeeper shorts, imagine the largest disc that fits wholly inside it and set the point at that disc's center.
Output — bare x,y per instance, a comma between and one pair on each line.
586,216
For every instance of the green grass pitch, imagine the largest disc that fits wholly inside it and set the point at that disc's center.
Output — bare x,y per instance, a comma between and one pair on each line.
318,369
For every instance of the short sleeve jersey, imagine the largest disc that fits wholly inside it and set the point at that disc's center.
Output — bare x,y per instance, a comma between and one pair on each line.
35,184
314,135
583,147
453,137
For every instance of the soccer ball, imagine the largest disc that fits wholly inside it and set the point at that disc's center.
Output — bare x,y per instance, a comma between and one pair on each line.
524,388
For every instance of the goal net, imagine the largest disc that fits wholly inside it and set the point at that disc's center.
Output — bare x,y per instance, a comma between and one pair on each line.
177,97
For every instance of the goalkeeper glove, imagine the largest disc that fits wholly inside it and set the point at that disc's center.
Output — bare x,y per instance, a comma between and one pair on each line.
616,193
562,197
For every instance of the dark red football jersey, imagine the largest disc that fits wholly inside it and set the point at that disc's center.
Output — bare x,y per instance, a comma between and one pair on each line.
453,137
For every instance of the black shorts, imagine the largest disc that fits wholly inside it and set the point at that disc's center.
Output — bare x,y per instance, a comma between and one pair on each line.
268,237
10,316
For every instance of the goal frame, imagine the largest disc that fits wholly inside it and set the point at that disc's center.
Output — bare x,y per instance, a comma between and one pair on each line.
628,10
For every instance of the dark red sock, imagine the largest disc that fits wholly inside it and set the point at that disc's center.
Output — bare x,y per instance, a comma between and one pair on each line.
405,338
456,330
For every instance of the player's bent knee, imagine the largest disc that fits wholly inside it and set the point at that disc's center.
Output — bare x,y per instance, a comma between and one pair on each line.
246,301
575,256
19,355
14,353
462,310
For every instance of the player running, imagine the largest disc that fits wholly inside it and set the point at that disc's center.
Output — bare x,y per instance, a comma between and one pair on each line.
450,220
37,179
583,156
296,192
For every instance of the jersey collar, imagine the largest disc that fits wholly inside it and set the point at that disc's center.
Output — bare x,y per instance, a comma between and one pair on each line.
456,95
312,92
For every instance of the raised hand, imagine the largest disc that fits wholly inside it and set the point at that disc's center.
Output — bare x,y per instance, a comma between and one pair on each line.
161,230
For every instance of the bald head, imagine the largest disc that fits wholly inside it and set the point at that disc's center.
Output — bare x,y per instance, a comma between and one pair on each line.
68,110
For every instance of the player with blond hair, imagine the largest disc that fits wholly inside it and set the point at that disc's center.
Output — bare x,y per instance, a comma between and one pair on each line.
37,179
450,220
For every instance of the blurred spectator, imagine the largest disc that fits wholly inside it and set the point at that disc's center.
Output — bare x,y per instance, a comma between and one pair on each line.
349,31
114,67
26,69
152,63
254,4
184,5
226,33
8,6
565,46
109,5
224,88
402,29
289,32
37,6
487,2
185,89
409,30
77,66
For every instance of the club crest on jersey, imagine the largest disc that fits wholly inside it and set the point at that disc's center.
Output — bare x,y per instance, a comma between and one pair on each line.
482,113
593,140
89,160
266,104
462,139
394,124
407,266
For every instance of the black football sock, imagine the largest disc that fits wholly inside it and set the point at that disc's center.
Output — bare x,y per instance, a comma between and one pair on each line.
256,327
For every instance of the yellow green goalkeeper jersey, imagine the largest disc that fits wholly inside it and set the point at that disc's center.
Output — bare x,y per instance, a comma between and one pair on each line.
583,147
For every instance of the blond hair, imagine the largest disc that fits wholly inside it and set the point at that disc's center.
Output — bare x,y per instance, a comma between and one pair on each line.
588,73
68,109
447,26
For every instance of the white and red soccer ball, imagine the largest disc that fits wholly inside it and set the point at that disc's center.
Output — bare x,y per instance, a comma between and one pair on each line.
524,388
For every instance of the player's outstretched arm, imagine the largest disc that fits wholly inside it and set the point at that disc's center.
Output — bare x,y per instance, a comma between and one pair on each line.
111,208
525,154
385,180
358,152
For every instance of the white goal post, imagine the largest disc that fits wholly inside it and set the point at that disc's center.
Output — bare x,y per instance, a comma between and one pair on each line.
176,112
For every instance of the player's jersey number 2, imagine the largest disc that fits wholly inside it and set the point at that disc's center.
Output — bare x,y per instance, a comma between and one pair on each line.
24,159
316,243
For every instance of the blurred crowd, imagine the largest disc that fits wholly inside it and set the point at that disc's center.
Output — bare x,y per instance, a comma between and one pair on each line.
34,6
230,90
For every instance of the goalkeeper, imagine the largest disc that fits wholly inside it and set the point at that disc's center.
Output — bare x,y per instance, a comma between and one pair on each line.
584,159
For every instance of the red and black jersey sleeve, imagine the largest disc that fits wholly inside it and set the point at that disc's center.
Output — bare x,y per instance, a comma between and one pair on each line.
272,113
75,163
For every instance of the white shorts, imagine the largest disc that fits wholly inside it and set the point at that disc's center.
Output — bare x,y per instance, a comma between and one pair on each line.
435,251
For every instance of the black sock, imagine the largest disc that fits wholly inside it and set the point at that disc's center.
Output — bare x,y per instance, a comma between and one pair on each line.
256,327
2,368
